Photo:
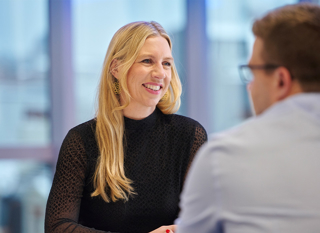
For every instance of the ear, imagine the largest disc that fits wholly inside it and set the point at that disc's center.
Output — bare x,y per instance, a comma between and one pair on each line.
283,83
114,68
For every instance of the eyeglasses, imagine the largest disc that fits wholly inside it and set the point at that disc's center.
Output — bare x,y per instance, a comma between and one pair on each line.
246,74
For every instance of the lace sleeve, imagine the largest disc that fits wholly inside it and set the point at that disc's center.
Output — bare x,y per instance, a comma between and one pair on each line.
200,138
65,196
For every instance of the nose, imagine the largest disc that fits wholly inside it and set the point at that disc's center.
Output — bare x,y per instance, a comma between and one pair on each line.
158,71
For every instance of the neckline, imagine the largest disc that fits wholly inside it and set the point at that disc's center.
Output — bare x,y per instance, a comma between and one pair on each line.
143,124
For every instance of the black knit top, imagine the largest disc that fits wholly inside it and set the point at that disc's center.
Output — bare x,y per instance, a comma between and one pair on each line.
158,153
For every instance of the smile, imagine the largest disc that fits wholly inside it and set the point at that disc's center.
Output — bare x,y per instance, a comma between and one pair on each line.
152,87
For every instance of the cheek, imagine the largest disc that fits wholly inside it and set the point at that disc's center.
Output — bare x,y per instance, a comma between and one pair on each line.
260,93
169,76
137,72
134,78
253,88
256,87
255,91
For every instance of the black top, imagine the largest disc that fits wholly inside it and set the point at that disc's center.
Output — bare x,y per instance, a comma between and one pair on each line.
158,153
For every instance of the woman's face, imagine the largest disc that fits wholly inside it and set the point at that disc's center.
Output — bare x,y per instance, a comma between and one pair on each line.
150,75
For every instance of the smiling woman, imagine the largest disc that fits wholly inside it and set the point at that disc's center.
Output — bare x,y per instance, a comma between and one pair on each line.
148,78
123,171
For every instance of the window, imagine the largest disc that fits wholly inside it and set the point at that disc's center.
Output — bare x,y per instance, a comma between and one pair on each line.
230,41
24,96
24,115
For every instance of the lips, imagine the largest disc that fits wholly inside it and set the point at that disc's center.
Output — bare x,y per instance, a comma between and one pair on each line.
152,87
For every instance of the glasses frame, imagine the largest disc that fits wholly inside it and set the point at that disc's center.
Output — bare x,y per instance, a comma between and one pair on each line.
254,67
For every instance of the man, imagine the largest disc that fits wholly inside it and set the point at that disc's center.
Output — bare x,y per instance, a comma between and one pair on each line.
264,176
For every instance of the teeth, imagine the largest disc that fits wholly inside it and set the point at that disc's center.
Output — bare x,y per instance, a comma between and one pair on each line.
152,87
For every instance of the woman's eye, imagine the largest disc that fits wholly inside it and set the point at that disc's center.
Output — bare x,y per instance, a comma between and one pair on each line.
167,63
147,61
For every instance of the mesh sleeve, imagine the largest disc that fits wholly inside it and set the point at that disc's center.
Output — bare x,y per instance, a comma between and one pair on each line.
64,200
200,138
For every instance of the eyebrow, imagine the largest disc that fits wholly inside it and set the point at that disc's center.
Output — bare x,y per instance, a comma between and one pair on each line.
150,55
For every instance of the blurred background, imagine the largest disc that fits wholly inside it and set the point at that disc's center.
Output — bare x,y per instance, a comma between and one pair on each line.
51,55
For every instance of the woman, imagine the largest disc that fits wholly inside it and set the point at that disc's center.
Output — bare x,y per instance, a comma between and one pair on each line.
123,171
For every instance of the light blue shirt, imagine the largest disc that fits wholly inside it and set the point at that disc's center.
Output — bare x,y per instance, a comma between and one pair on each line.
263,176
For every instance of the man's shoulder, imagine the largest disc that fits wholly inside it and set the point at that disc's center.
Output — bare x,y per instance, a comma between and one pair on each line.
245,129
263,125
251,134
281,123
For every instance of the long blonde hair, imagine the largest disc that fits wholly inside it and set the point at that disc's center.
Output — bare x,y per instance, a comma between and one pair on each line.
110,180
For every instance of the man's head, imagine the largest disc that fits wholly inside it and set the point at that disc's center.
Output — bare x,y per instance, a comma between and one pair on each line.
289,39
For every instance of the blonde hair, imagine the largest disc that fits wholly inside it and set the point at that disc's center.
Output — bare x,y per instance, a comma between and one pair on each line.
109,179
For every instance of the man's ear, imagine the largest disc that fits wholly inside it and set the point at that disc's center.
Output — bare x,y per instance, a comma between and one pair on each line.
282,83
114,68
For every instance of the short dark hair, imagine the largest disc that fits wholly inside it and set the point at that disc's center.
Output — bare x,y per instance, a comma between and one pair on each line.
291,37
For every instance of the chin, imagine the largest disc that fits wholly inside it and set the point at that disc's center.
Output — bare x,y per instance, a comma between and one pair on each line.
151,103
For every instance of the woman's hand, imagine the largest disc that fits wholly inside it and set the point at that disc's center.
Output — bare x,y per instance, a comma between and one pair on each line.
165,229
